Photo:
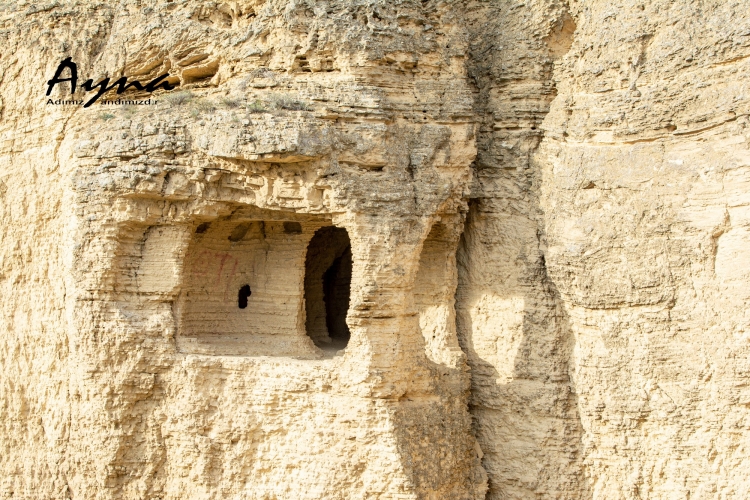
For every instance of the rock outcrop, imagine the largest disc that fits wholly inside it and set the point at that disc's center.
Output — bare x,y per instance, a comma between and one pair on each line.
367,249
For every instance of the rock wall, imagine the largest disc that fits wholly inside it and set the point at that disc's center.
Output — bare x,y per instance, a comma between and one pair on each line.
546,204
512,323
606,334
130,368
645,194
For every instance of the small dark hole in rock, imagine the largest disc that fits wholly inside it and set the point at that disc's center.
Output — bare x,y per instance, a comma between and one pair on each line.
202,228
242,296
293,228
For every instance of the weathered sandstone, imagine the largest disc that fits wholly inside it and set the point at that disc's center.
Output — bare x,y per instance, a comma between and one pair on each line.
377,249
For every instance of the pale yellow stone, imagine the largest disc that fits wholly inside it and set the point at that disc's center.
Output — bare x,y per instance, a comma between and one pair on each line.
547,210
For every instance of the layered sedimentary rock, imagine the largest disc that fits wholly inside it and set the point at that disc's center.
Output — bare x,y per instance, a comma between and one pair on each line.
645,165
367,249
602,298
512,323
157,338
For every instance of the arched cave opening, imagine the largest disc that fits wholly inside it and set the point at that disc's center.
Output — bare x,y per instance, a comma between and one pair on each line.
328,276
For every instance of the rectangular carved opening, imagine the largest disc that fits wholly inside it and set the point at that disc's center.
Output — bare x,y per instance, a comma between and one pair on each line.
243,287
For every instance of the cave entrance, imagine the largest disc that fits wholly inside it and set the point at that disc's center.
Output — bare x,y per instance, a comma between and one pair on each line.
328,277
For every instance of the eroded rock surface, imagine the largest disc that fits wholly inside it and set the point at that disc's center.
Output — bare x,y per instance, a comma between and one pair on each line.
537,226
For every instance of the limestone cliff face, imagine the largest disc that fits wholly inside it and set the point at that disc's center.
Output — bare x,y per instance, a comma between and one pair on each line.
158,339
608,343
602,297
645,193
367,249
512,324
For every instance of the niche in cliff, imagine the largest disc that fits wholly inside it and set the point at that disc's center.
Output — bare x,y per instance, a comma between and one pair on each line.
248,280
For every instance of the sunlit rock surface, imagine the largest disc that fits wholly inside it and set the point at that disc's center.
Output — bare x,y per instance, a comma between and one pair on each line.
377,250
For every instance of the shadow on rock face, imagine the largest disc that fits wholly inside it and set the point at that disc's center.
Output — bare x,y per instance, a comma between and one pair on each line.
515,332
